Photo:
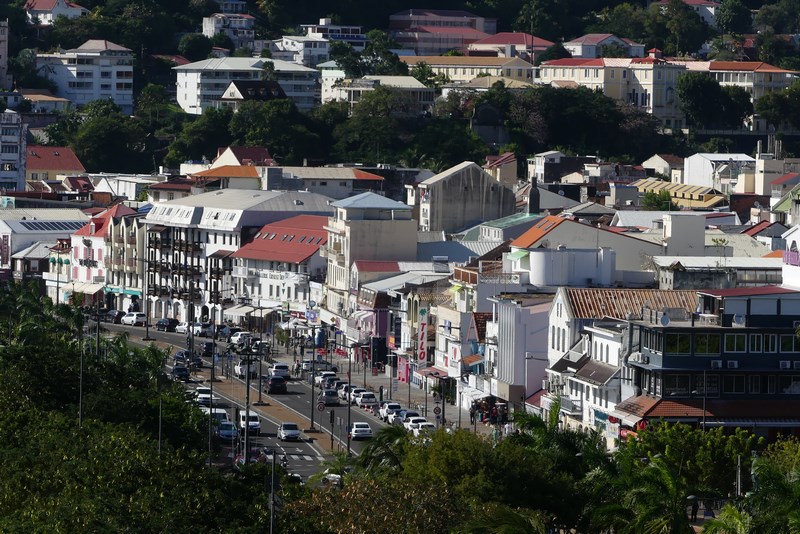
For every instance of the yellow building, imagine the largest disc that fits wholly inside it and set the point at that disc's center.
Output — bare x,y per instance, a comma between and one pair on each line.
466,68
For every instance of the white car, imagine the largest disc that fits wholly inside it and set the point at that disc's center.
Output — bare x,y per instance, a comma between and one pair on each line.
249,424
355,393
389,408
202,329
367,398
281,369
321,376
424,428
241,338
360,431
289,432
134,319
398,418
182,328
413,422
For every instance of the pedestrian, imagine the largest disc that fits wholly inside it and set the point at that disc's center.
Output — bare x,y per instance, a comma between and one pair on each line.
508,429
472,414
695,508
493,416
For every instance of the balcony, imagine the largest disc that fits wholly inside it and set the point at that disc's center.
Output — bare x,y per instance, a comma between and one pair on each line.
187,270
485,273
217,272
159,267
187,246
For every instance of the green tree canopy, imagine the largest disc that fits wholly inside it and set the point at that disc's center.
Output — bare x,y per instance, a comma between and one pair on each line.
194,46
733,16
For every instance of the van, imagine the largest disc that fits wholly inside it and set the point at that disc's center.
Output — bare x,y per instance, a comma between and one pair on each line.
250,423
218,414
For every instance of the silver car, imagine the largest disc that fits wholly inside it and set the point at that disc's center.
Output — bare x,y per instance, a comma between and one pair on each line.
289,432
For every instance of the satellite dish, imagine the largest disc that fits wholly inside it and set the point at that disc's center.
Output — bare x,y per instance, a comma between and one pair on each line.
738,319
664,320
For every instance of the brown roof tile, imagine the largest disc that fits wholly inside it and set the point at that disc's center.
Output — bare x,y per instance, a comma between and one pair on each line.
618,303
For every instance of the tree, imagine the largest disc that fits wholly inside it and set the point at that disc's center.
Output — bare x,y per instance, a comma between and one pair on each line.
699,98
112,142
731,520
386,450
201,137
613,50
772,107
736,106
661,201
194,46
685,26
556,51
733,17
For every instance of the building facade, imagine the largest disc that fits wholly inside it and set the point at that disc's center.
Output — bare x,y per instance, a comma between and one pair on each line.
13,144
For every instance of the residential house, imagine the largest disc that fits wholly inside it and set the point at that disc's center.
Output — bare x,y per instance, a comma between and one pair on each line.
301,49
228,176
694,197
43,101
238,27
663,165
418,97
45,12
241,91
705,9
551,166
57,275
334,182
96,70
548,201
172,189
352,35
13,160
275,269
202,83
510,44
712,272
718,171
48,162
460,197
730,365
191,239
594,45
360,229
435,31
770,234
503,229
30,263
125,186
483,84
232,6
467,68
88,277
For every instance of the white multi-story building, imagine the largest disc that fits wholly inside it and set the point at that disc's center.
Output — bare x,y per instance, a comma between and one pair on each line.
420,98
13,134
467,68
125,262
96,70
201,84
239,27
591,45
352,35
301,49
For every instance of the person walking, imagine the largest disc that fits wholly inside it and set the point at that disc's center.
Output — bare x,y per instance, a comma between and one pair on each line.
472,413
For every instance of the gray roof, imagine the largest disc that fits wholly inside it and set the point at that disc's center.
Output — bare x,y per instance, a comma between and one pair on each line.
243,199
590,207
242,64
645,218
456,251
43,214
399,281
447,173
549,200
37,227
370,200
712,262
37,251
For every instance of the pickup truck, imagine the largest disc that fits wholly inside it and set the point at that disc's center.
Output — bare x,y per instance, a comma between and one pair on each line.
241,368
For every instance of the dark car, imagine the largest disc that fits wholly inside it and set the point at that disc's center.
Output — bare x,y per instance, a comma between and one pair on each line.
276,384
185,357
167,325
180,372
114,316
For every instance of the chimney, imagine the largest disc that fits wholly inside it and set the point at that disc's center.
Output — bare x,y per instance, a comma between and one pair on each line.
534,204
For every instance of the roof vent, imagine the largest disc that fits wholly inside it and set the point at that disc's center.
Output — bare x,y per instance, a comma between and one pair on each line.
298,202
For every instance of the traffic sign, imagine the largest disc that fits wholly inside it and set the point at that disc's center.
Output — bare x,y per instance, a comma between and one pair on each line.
321,406
312,304
311,316
437,410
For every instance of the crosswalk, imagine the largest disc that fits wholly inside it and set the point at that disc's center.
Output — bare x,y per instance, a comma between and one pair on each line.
290,457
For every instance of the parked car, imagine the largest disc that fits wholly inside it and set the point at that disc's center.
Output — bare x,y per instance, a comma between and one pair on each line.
186,357
318,365
228,432
321,376
225,332
281,369
134,319
355,393
388,407
410,423
241,338
205,399
330,382
424,428
360,431
337,384
250,424
114,316
241,369
276,384
366,399
344,392
289,432
329,397
400,417
182,328
180,372
202,329
166,325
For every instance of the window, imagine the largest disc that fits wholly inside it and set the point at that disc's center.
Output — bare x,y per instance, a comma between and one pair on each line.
706,344
787,343
678,343
771,384
755,342
733,384
770,343
735,342
789,385
552,337
755,384
676,385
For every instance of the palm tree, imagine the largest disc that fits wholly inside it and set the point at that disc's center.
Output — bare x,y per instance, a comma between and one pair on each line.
386,450
658,501
731,520
504,520
339,464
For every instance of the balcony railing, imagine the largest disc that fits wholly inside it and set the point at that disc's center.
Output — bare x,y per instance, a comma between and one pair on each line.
187,246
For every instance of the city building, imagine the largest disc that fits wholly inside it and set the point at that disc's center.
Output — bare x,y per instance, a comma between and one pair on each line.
241,91
551,166
435,31
58,275
13,161
125,260
663,165
460,197
718,171
502,168
705,9
352,35
43,101
333,182
682,195
238,27
508,44
45,12
96,70
708,272
48,162
202,83
594,45
467,68
301,49
418,97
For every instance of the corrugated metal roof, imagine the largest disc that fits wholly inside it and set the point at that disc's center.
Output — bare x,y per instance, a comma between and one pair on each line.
587,303
708,262
596,372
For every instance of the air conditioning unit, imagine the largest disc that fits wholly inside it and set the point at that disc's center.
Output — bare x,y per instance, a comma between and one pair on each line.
733,364
716,364
785,364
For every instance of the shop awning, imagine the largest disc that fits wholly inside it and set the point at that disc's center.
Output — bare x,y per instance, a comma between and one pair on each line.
518,255
86,288
425,371
471,360
238,311
157,228
625,418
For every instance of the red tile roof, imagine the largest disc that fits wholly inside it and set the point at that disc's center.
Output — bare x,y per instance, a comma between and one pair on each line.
253,155
515,38
174,184
101,221
358,174
178,60
447,30
756,228
229,171
591,38
672,159
79,183
538,231
791,177
372,266
754,66
52,158
762,409
502,159
618,303
774,254
292,240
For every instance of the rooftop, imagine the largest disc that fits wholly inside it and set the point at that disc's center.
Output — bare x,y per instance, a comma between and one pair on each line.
369,200
618,303
44,158
515,38
291,240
